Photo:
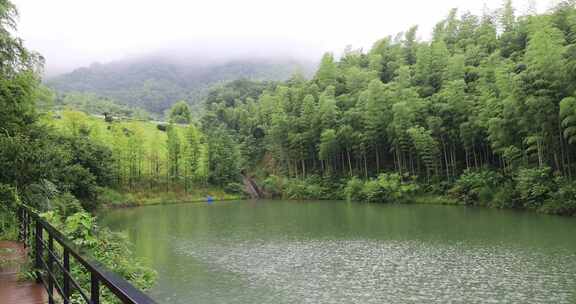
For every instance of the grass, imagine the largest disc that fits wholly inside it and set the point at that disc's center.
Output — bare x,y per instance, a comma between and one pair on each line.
8,226
143,196
435,199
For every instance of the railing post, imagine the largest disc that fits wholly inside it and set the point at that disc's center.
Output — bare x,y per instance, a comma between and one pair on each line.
21,233
37,228
50,269
94,289
28,221
25,227
38,252
65,275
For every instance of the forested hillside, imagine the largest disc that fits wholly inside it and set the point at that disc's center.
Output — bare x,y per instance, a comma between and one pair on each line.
485,110
155,83
484,113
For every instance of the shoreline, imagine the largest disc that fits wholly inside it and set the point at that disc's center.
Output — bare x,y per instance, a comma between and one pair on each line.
422,199
120,198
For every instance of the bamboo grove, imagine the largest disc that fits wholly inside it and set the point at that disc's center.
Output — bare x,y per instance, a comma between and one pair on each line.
496,90
148,154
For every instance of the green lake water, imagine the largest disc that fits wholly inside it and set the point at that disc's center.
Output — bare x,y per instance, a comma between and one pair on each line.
337,252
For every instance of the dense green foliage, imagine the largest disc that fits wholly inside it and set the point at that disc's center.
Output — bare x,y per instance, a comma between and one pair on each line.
484,112
8,202
311,187
473,185
180,113
486,93
106,247
60,171
144,154
155,84
386,188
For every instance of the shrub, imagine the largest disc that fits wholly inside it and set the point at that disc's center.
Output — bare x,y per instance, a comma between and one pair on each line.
273,186
312,187
40,195
111,249
8,197
505,197
387,188
534,186
234,188
438,187
476,186
563,201
82,184
108,196
8,224
309,188
353,190
66,204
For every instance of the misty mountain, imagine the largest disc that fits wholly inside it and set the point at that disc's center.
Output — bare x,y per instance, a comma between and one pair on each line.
155,83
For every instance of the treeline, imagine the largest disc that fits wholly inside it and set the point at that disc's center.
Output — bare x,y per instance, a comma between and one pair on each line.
493,91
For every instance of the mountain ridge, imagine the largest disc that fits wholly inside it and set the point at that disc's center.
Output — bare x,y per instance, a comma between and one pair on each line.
154,83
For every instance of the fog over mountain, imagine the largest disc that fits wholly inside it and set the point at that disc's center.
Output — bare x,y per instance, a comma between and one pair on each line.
155,81
150,55
198,53
71,34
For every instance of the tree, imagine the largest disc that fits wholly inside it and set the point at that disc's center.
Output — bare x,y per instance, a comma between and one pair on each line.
568,116
327,74
490,91
192,154
224,157
328,147
426,147
174,152
16,60
377,117
18,75
327,109
410,45
180,113
541,89
76,123
507,18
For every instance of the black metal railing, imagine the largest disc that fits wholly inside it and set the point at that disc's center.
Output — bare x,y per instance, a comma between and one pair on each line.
52,266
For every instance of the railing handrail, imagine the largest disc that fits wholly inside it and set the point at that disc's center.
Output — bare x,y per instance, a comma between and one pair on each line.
123,289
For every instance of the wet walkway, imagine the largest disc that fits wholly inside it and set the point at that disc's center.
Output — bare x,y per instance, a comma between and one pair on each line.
12,290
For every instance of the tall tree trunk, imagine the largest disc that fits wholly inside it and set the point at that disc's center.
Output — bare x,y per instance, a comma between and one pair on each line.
349,163
365,166
377,158
445,159
475,156
467,161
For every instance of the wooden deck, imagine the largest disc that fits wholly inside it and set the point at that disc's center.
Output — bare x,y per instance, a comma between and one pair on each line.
13,291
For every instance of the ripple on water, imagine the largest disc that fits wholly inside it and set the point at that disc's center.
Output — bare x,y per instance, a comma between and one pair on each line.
366,271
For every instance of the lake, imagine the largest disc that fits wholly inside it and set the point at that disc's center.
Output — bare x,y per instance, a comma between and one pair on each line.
338,252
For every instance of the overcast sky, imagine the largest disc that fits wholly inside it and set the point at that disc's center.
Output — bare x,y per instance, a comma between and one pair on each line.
73,33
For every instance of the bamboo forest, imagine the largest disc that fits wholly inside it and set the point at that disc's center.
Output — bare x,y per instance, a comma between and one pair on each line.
382,174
